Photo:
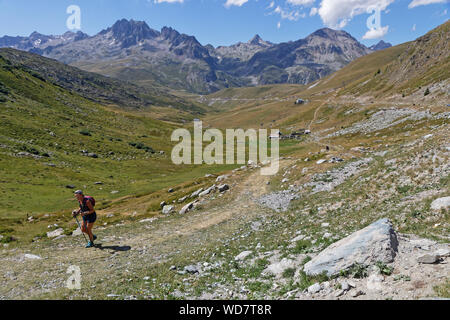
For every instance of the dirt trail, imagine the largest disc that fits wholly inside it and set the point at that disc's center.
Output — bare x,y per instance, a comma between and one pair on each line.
315,137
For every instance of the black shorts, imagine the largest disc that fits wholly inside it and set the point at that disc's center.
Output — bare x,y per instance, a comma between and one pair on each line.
90,218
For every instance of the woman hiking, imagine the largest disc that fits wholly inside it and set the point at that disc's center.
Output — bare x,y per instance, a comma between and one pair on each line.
89,215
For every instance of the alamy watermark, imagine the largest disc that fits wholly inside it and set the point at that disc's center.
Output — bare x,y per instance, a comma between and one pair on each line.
374,21
235,147
74,280
74,20
376,30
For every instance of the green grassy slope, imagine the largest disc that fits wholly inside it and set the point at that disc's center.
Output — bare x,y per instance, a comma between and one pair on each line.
96,87
46,133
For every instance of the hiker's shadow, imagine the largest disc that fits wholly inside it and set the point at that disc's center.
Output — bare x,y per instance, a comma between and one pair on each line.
113,248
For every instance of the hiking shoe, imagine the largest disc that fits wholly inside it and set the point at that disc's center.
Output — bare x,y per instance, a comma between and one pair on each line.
90,244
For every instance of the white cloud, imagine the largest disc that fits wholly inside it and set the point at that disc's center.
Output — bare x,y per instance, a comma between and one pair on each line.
416,3
413,27
237,3
279,25
337,13
169,1
376,33
300,2
292,15
271,5
313,11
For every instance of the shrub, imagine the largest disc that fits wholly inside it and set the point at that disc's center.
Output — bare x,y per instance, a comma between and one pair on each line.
384,269
85,132
289,273
4,89
301,246
306,260
404,189
359,271
427,92
141,146
7,239
305,281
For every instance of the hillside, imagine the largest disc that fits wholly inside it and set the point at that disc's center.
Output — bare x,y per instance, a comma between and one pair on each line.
402,70
94,86
399,74
53,140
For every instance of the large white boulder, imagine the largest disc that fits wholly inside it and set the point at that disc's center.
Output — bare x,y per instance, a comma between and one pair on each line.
376,242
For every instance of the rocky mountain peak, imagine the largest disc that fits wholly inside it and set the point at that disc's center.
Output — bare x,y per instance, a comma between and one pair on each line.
168,33
131,32
258,41
36,35
330,34
380,46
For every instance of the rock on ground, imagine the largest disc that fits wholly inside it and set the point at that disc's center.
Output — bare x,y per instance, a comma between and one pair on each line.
243,255
441,203
31,257
377,242
277,268
77,232
314,288
428,259
207,191
168,209
187,208
223,188
56,233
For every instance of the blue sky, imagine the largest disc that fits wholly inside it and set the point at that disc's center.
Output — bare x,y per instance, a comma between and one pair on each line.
224,22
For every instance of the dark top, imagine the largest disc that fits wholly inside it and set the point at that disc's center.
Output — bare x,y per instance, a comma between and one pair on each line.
83,205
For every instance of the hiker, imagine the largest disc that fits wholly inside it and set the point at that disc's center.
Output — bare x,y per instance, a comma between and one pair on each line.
89,215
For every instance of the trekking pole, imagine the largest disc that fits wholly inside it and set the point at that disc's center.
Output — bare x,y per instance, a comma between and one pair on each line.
79,225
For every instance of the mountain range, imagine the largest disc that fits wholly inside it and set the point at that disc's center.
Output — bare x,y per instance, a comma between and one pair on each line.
131,50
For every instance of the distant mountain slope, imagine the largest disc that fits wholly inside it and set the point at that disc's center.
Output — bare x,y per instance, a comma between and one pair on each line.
305,60
242,51
93,86
413,73
131,50
380,46
403,69
37,42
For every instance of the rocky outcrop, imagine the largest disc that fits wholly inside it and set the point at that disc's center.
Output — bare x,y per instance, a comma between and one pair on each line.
377,242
